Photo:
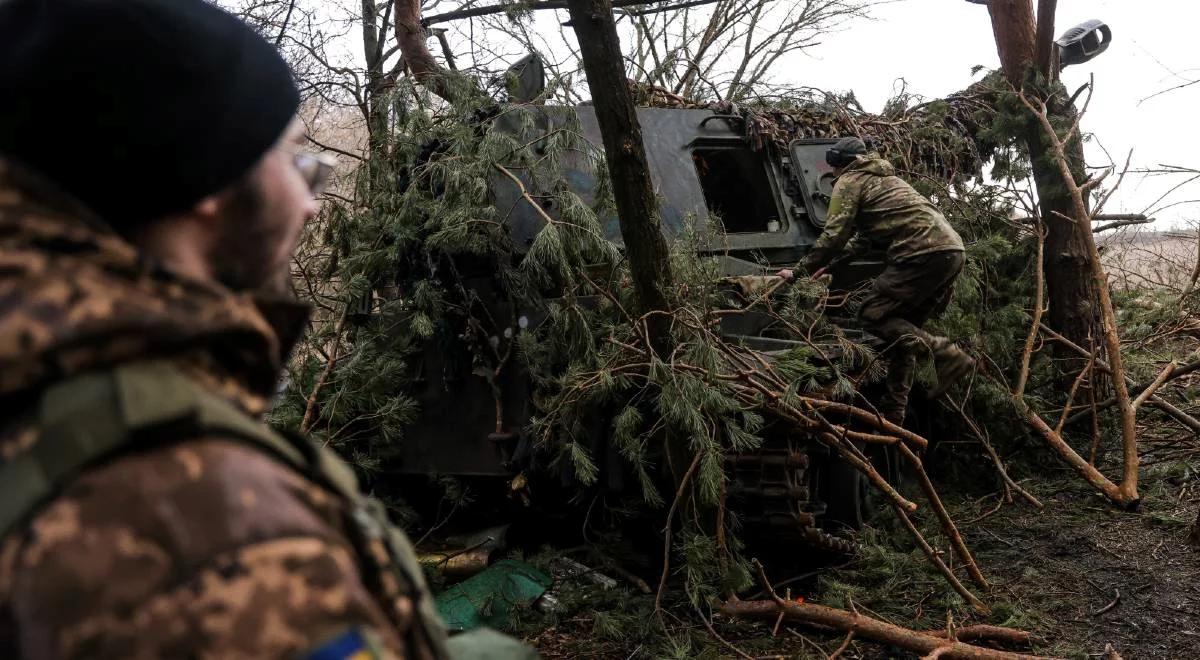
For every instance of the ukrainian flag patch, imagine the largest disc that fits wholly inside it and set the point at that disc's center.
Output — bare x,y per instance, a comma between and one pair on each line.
351,645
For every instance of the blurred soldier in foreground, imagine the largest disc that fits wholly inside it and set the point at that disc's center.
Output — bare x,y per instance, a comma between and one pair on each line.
872,207
153,185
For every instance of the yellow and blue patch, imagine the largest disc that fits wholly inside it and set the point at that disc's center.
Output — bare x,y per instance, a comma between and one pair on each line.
351,645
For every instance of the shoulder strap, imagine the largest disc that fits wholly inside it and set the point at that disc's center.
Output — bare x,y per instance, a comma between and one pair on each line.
89,418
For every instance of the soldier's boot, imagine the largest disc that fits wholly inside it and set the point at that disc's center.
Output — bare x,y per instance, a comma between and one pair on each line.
952,363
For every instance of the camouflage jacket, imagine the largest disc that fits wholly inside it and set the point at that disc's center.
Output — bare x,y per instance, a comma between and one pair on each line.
877,208
204,548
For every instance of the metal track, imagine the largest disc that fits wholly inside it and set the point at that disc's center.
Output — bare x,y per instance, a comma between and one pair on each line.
772,489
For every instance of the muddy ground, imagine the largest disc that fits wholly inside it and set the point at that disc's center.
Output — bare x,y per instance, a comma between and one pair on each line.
1078,573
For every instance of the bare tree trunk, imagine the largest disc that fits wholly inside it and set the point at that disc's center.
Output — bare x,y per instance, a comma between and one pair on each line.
410,36
1014,30
375,102
1072,292
637,213
1044,53
411,39
1026,52
637,205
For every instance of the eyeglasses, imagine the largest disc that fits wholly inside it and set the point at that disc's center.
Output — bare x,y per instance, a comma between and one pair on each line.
315,167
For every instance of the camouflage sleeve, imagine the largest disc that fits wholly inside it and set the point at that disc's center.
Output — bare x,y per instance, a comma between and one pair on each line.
839,222
203,550
858,245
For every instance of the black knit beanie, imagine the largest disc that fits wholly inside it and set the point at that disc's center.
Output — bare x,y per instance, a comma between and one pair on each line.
844,151
139,108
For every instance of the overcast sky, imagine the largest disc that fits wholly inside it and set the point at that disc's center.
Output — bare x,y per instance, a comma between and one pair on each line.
932,44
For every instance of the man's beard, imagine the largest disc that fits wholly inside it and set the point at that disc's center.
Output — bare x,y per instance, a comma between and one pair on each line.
247,243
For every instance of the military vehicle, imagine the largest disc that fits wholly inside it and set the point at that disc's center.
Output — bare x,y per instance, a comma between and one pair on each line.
762,211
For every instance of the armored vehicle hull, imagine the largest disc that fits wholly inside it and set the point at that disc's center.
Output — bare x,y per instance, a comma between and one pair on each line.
754,210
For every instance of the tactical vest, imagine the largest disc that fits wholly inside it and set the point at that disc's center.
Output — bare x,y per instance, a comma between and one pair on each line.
94,417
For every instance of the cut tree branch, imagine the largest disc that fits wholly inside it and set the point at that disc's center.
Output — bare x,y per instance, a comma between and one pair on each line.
1120,220
1158,382
870,628
1156,401
867,627
1112,342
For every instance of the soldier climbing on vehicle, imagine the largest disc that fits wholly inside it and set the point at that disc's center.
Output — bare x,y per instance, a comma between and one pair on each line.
871,207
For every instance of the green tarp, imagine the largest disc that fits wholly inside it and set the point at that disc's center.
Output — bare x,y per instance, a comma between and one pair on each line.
488,598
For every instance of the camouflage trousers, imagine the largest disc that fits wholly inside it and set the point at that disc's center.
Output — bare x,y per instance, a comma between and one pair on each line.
904,296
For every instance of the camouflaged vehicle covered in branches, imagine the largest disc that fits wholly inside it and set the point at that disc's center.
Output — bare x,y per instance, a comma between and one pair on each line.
745,206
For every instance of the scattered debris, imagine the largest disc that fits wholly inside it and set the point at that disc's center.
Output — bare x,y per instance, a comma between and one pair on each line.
466,555
1114,603
574,570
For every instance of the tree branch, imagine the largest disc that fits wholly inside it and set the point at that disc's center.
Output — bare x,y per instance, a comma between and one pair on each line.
486,10
1129,477
1044,51
865,626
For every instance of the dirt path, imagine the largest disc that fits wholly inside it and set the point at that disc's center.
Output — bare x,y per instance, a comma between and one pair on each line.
1089,575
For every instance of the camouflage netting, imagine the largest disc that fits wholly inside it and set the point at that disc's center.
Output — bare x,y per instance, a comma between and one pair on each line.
946,139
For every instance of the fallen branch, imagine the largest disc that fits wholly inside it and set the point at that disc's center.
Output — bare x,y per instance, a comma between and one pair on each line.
863,626
864,466
936,560
1161,380
935,502
873,419
764,387
724,642
995,456
754,382
842,648
1175,413
1053,436
1178,415
981,633
1115,601
1138,389
1093,476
